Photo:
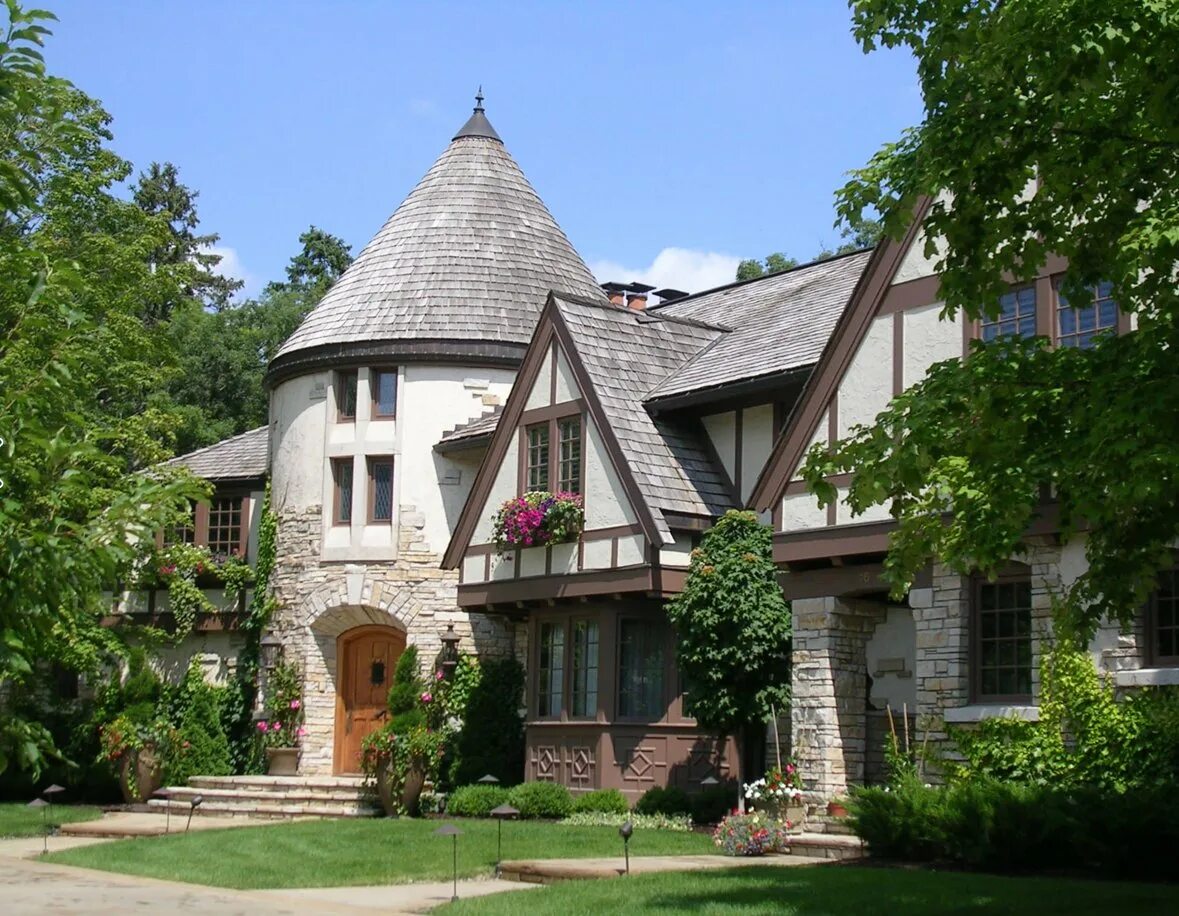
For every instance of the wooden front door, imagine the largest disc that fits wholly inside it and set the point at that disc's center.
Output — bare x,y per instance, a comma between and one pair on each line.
366,657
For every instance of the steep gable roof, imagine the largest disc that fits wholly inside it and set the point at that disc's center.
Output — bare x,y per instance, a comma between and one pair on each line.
779,323
242,457
466,259
837,355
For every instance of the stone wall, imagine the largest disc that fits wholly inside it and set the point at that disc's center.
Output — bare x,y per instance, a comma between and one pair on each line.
319,601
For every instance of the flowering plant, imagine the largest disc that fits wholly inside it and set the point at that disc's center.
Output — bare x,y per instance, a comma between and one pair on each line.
123,735
282,722
778,785
538,518
750,835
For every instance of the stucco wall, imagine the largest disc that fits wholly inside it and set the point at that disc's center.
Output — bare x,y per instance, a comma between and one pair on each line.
866,388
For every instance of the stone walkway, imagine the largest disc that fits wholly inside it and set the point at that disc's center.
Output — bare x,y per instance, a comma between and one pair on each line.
545,871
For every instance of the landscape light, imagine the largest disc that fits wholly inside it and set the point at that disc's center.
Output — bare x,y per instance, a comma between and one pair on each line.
454,833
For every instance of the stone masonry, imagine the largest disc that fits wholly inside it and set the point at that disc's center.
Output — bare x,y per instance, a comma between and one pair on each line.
319,601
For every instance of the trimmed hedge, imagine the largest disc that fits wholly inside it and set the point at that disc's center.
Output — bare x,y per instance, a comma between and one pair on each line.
602,801
659,800
475,801
541,799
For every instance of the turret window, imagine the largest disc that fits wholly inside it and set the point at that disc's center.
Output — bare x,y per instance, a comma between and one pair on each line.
346,396
380,489
383,383
342,485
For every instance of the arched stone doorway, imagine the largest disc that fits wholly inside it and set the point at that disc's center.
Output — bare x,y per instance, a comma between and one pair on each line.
365,657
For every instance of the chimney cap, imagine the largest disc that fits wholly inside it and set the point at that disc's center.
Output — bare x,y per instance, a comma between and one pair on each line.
667,294
615,287
641,288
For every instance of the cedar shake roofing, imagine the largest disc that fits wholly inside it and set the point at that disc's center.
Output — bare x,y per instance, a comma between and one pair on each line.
779,323
242,457
468,258
469,435
626,353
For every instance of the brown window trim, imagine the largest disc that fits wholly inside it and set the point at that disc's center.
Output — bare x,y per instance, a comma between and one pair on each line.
372,463
974,633
553,421
1150,625
1121,324
667,677
592,714
559,714
200,522
337,465
342,375
373,389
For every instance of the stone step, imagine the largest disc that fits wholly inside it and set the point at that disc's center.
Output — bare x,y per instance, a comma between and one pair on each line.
827,846
278,812
279,783
298,794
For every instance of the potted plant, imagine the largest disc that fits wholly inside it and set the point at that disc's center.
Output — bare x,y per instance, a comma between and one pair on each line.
779,794
538,518
837,807
281,728
137,749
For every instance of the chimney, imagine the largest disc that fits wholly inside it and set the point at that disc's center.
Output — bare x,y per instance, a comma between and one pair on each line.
616,292
637,296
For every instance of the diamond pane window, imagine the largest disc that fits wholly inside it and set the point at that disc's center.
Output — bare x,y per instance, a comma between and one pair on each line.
384,389
380,489
1017,316
342,480
346,395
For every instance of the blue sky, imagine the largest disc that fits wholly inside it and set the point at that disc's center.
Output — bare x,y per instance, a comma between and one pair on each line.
668,138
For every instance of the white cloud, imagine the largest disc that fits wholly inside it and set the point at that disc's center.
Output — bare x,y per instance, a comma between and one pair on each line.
231,266
679,268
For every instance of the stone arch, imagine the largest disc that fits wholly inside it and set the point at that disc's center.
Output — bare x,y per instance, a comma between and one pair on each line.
356,599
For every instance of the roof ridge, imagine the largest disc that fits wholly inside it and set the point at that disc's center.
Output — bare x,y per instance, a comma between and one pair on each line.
219,442
642,316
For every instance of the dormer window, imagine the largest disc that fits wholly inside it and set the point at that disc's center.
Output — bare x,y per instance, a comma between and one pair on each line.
569,464
1016,318
537,462
553,455
346,396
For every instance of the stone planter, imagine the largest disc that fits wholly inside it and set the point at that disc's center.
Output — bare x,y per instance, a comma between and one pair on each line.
411,792
282,761
408,800
793,811
140,774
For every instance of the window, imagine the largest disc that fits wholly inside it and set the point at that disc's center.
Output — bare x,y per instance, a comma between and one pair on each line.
346,395
641,669
380,489
569,464
225,525
1077,326
1017,315
550,670
342,481
1163,621
183,533
383,383
537,460
585,668
1002,631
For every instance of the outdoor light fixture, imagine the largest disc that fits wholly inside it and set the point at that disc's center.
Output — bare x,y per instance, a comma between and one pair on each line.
192,806
42,804
454,833
500,814
450,641
489,780
626,831
166,794
269,648
53,790
710,781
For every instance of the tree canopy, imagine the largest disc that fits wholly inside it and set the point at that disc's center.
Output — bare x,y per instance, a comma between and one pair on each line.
1050,127
860,233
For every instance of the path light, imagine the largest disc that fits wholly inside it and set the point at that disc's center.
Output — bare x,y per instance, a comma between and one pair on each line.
500,814
454,833
166,794
53,790
489,780
42,804
450,641
626,831
192,806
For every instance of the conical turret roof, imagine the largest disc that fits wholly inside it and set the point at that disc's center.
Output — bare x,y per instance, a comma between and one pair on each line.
460,272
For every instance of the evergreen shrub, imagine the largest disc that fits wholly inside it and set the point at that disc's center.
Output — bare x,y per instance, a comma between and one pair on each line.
604,801
475,801
664,800
541,799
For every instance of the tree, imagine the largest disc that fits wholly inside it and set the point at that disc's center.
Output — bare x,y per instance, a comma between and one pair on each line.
1049,127
76,362
751,269
733,626
858,233
323,258
159,192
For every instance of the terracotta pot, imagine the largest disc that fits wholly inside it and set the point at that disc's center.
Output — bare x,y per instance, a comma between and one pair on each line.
282,761
836,809
140,774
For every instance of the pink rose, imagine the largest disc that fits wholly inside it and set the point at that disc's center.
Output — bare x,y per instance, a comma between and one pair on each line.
261,726
275,726
300,732
295,704
426,698
438,675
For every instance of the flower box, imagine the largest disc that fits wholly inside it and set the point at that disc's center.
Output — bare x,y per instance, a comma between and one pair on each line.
537,519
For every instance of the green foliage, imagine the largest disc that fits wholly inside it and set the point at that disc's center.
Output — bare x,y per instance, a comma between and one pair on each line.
678,823
1007,102
199,747
669,800
404,700
491,737
282,725
541,799
733,626
475,800
603,801
776,263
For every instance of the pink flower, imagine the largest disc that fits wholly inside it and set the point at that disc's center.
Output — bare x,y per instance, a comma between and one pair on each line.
295,704
275,726
300,731
438,675
426,698
261,726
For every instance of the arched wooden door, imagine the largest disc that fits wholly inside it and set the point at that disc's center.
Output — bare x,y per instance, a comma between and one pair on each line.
366,657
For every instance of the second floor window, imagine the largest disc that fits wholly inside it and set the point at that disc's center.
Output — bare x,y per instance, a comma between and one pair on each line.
342,486
1017,316
346,395
380,489
1078,325
537,460
225,525
569,465
383,383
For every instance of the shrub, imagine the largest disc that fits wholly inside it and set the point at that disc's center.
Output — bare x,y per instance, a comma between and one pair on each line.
492,737
677,822
664,800
604,801
712,804
541,799
475,801
200,747
749,835
407,688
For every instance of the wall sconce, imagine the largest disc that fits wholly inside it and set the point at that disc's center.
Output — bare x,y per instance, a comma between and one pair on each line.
450,641
269,649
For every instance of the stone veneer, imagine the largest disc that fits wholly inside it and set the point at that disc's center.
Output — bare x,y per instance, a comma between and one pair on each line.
319,601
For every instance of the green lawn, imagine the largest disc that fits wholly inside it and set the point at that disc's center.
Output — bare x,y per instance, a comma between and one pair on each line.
831,891
342,852
18,819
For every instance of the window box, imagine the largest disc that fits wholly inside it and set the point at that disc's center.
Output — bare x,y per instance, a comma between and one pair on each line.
538,518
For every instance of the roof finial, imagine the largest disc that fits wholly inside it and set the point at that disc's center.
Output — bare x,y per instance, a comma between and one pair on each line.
479,99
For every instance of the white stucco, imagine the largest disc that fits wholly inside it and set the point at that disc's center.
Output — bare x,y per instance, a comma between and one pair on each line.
630,550
678,553
891,657
596,554
929,339
542,389
916,263
567,389
757,439
801,511
532,561
819,437
502,489
722,431
606,503
298,411
866,388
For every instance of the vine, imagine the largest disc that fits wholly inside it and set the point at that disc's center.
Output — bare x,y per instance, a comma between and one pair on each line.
186,570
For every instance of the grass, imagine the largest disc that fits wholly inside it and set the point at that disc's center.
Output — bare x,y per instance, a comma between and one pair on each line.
334,853
18,819
831,891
